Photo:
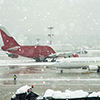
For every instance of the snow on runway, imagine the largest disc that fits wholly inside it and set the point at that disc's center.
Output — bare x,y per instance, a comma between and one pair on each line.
43,78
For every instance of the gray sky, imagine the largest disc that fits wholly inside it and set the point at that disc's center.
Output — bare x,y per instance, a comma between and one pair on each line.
75,22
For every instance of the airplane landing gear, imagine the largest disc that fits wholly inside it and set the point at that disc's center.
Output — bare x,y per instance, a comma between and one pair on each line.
39,60
53,60
45,60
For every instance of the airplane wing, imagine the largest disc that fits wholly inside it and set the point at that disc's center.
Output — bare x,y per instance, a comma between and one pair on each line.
25,63
12,55
61,54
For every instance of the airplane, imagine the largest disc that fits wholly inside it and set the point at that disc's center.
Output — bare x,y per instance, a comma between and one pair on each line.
91,63
37,52
63,50
88,53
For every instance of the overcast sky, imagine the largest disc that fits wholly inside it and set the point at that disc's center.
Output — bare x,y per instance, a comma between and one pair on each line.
75,22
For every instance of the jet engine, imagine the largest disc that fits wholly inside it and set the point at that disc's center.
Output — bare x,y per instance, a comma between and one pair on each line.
93,67
12,55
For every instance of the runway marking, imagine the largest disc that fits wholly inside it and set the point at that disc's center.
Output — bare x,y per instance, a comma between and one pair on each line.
6,97
61,86
58,87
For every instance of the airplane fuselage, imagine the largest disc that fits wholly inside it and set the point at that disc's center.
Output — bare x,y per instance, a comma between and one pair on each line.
77,62
32,51
37,52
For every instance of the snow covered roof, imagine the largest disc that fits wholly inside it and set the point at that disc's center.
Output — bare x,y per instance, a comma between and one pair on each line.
48,93
23,89
94,94
67,94
61,95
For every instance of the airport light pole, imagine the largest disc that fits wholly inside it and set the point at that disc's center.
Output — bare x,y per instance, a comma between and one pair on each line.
50,34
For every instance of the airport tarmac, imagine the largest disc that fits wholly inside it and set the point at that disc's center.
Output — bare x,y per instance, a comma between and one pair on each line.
44,78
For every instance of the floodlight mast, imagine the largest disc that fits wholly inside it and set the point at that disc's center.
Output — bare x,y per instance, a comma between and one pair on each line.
50,34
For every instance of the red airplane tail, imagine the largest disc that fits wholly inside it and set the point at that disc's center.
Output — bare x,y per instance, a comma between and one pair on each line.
8,41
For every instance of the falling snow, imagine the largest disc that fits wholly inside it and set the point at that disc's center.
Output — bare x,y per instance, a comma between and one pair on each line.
79,19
